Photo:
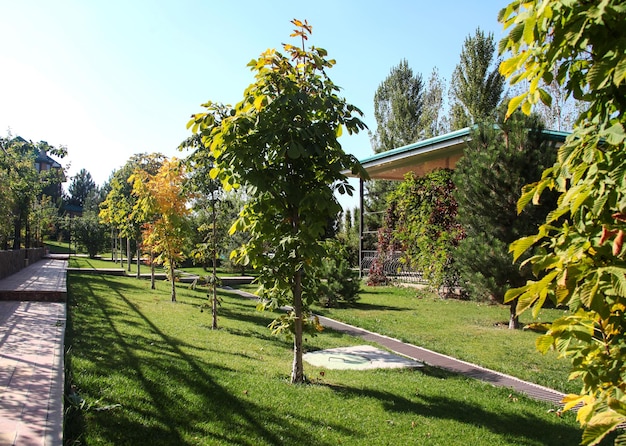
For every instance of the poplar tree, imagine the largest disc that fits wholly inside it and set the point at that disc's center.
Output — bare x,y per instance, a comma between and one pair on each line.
476,86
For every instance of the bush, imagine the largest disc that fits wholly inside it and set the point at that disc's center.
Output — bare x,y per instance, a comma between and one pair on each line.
334,282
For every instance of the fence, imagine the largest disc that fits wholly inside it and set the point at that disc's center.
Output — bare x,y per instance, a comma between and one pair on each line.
393,267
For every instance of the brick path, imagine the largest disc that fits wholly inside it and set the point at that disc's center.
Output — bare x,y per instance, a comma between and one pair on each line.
31,355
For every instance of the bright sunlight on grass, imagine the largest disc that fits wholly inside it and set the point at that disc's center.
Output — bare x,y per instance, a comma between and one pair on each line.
148,371
471,331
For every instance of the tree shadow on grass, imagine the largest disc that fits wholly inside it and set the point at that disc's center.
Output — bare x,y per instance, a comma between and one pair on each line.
502,420
157,414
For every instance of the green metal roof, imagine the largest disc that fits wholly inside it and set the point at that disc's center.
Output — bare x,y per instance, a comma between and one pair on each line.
423,156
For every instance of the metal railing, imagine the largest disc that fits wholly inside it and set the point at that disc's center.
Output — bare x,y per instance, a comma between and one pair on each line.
393,267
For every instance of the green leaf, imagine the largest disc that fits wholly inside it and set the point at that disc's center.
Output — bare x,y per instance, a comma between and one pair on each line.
620,72
544,343
599,426
519,247
615,134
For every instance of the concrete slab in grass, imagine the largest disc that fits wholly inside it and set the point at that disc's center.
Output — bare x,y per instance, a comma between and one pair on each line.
361,357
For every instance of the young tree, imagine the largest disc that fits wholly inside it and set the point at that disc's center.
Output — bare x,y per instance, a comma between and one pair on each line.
497,162
90,233
583,261
281,141
207,206
161,195
476,86
118,209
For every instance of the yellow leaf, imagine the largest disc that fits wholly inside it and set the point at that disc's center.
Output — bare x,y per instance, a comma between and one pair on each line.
514,103
214,172
339,131
258,102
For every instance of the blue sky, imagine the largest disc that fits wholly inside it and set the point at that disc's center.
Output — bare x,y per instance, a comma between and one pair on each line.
109,79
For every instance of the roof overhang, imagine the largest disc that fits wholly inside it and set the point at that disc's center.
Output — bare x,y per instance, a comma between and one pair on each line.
425,156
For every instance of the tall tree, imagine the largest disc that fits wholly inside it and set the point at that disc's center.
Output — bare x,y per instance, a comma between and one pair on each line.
498,161
582,259
81,186
433,121
398,106
476,86
281,141
161,195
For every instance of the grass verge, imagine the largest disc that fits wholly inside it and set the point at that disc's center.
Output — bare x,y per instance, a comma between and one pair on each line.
143,370
471,331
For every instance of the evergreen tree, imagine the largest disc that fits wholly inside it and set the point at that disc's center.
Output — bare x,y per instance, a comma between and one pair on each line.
498,161
476,86
80,188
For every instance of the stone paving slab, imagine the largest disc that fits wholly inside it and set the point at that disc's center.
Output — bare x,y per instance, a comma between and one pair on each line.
31,373
44,280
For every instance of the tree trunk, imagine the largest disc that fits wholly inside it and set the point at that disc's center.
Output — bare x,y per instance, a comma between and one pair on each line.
138,257
128,256
297,371
214,281
173,280
152,286
121,254
513,317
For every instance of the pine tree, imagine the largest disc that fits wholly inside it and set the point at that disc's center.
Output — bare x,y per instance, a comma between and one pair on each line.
498,161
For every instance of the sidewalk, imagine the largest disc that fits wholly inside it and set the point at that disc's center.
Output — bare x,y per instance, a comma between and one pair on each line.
31,355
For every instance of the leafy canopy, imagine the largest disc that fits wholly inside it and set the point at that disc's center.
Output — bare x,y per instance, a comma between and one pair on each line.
582,264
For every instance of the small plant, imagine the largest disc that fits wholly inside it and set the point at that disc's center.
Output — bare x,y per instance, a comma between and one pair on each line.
335,282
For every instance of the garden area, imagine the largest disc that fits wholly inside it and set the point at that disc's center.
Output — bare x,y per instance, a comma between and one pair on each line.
144,370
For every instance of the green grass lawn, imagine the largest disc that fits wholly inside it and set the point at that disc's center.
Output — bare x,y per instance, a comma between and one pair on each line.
106,263
471,331
148,371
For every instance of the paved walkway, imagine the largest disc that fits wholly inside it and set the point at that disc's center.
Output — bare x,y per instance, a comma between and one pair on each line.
31,355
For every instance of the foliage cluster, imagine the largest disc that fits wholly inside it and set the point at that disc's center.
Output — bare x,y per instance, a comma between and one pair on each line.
582,261
28,197
335,281
476,86
425,226
162,208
